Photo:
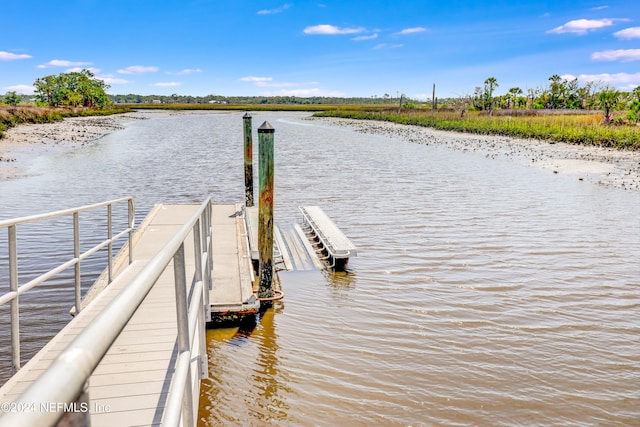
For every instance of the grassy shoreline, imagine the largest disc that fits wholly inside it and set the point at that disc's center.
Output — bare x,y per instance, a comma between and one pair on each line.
13,116
579,129
584,128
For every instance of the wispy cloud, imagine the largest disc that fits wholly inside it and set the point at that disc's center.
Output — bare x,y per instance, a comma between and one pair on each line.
25,89
623,55
78,69
8,56
256,80
276,10
311,92
166,84
138,69
600,7
388,46
326,29
186,71
63,63
628,33
111,80
268,82
616,78
369,37
413,30
583,26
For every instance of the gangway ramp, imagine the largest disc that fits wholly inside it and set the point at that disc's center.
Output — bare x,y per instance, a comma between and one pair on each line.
135,383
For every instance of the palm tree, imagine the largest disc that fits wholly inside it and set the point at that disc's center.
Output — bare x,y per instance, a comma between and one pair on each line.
489,85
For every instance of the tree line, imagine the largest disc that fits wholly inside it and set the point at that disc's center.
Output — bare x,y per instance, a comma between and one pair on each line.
83,89
559,94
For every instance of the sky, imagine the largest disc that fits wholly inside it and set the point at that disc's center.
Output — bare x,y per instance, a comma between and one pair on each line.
345,48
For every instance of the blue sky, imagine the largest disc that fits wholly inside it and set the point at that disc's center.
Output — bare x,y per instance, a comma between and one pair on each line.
319,48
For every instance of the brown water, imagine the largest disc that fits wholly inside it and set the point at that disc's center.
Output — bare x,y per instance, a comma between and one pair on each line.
484,293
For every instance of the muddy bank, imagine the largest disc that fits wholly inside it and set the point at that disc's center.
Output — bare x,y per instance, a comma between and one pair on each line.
26,141
604,166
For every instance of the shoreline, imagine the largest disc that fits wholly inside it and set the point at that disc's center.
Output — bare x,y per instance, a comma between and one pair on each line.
603,166
600,165
28,141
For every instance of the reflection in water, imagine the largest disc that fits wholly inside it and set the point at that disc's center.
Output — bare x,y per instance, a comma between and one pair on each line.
259,397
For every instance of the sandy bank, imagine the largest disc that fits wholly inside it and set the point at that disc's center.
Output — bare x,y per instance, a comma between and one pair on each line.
604,166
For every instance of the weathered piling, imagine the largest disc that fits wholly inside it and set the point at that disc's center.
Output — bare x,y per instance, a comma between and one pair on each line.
265,210
248,161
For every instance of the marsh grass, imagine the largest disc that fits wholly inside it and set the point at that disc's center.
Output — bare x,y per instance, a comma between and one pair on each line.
12,116
583,128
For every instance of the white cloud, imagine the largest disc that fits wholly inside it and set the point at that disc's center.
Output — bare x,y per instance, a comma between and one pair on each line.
186,71
276,10
167,84
615,79
138,69
78,69
8,56
413,30
111,80
326,29
256,80
371,37
628,33
63,63
268,82
309,92
388,46
24,89
583,26
624,55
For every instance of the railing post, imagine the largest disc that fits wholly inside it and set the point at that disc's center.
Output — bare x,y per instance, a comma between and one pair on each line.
265,210
76,255
248,160
110,247
131,218
15,307
182,313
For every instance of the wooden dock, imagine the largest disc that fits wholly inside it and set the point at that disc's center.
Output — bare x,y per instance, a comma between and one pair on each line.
130,385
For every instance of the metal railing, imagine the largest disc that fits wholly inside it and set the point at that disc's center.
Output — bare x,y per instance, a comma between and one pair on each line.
15,289
66,380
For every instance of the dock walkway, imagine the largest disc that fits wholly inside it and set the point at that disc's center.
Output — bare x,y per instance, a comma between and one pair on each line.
131,384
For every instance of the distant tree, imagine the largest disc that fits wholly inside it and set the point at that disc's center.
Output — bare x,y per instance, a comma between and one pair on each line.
556,92
634,112
489,86
636,93
12,98
514,92
75,89
608,101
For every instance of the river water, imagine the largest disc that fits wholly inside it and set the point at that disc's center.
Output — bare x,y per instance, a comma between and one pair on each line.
484,292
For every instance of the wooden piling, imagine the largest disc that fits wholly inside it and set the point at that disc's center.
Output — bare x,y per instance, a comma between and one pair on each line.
265,210
433,98
248,161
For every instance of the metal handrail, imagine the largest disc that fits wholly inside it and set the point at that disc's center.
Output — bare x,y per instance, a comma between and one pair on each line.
65,380
15,289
